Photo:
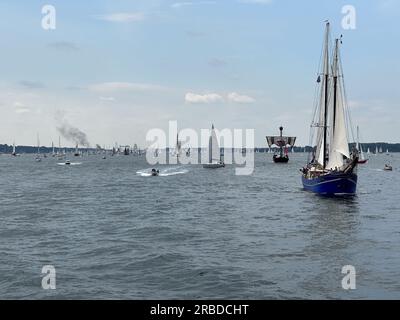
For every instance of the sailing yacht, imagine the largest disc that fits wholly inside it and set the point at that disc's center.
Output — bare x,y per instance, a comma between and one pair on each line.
214,153
362,159
178,149
333,169
76,154
14,152
38,158
53,153
60,153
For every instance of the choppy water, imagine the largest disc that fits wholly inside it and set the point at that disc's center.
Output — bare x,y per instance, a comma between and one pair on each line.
113,233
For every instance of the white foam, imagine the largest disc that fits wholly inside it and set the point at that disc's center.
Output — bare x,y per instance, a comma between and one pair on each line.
164,172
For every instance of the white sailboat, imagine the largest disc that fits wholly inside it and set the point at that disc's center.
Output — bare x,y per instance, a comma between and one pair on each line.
38,158
14,152
362,158
178,149
214,153
53,153
60,153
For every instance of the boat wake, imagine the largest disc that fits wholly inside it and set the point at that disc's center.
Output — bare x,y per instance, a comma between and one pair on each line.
164,172
70,164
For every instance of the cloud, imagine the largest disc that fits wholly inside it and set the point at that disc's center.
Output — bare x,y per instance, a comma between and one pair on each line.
217,98
203,98
124,86
122,17
31,84
216,63
256,1
64,46
190,3
107,98
237,98
21,108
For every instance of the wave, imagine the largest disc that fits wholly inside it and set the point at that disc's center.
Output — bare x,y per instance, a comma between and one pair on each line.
71,164
163,172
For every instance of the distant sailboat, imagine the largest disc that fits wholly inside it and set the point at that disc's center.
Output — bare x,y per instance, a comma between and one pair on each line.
60,154
178,149
38,158
53,153
214,153
333,169
282,142
76,154
362,159
14,152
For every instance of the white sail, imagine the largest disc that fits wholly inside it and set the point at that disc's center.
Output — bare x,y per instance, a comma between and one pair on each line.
339,146
13,148
214,154
320,122
359,146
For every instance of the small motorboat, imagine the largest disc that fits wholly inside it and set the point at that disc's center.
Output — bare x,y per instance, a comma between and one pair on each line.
155,173
388,168
67,162
214,165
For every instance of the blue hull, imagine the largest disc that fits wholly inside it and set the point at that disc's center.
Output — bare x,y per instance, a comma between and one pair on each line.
332,184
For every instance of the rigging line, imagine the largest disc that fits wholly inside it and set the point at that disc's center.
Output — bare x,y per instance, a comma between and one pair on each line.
346,107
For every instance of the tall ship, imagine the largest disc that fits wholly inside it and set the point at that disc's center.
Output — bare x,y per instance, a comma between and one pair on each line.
283,143
332,170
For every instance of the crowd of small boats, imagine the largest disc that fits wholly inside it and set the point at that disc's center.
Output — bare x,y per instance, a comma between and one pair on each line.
331,168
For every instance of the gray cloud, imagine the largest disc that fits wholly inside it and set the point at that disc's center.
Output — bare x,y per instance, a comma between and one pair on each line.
216,63
64,46
31,84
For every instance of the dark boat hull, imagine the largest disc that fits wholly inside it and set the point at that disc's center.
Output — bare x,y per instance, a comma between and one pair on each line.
362,161
281,159
332,184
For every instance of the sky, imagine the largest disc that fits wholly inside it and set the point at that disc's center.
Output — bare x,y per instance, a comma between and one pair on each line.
117,68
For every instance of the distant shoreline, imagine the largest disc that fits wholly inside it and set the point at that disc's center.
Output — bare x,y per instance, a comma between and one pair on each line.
391,147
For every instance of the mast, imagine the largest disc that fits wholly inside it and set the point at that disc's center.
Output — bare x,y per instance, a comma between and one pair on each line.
335,82
281,147
326,74
38,143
